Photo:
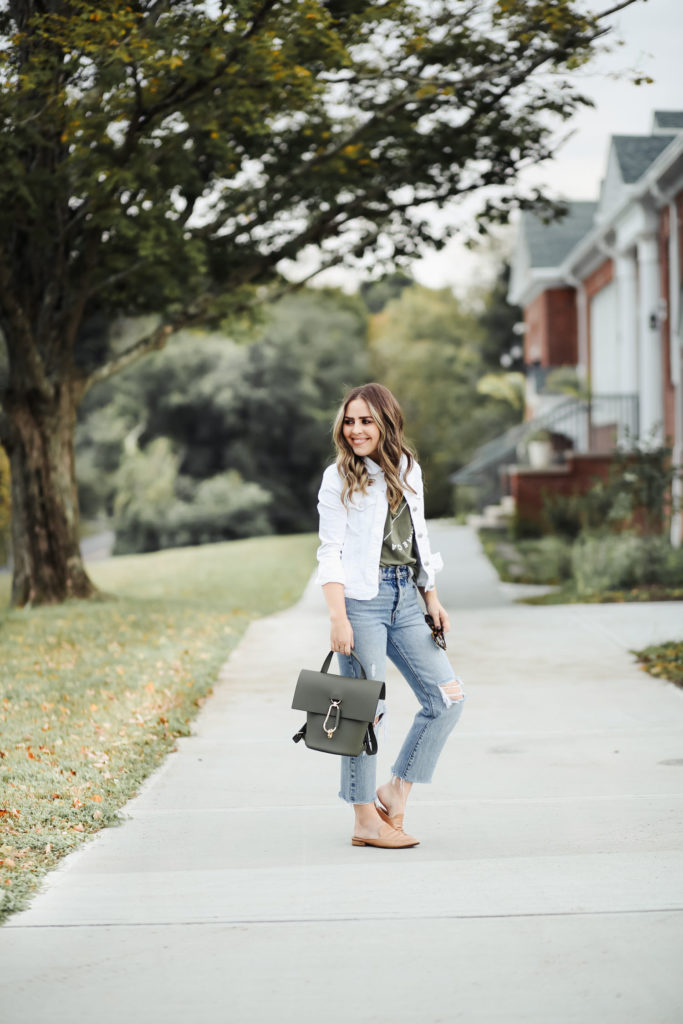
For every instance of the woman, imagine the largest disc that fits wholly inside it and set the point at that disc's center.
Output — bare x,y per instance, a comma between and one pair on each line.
373,558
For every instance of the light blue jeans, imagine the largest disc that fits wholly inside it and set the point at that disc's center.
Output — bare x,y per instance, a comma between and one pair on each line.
393,623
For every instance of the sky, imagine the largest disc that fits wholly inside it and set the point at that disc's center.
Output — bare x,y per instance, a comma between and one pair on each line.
652,35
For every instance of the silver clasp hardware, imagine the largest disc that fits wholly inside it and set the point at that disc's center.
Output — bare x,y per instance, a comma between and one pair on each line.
334,706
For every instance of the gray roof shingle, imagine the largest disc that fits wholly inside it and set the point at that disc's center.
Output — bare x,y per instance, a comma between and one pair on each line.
635,153
548,244
669,119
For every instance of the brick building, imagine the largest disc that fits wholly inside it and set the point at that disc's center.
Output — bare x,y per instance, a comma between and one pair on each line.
601,291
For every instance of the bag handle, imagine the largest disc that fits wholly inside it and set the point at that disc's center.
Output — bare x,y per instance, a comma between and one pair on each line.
328,661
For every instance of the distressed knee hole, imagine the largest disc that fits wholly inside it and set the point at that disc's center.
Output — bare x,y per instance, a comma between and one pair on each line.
452,692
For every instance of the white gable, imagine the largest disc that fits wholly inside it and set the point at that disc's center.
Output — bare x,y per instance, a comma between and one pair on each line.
612,189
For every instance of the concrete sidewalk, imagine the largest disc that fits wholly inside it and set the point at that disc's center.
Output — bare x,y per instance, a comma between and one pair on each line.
548,885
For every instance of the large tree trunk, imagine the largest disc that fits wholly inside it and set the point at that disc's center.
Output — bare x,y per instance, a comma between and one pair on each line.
48,567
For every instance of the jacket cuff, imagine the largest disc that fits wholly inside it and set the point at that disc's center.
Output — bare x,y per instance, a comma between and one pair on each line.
330,574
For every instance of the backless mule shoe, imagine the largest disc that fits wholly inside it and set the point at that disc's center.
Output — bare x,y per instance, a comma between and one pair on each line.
388,839
395,820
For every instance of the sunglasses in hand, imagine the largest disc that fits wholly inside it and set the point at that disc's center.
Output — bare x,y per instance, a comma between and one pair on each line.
437,633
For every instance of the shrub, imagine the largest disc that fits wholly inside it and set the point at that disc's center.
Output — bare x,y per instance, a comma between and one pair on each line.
156,508
224,507
636,496
622,561
547,560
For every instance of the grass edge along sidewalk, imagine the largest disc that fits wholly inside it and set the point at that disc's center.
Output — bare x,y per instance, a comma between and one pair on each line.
539,561
94,694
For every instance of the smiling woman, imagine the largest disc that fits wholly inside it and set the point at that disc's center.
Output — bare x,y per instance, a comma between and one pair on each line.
374,559
360,429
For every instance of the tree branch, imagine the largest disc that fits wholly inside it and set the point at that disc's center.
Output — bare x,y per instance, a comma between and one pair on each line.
615,9
121,275
356,250
177,95
395,103
152,342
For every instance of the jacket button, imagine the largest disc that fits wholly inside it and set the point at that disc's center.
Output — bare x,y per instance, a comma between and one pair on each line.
427,563
420,535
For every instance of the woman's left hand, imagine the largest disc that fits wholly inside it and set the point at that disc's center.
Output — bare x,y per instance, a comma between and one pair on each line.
437,612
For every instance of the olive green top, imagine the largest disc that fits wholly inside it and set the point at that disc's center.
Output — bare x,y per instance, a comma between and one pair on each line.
397,546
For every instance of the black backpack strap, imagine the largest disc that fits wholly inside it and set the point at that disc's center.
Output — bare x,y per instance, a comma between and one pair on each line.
370,741
300,734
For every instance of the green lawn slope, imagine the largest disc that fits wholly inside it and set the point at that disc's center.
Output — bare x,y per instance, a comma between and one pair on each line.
93,694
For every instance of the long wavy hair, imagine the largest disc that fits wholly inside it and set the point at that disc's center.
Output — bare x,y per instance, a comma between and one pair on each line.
386,412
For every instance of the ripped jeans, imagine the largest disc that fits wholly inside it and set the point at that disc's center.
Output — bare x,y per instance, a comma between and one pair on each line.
392,623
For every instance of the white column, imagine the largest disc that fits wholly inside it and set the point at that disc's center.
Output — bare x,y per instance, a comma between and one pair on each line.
583,369
651,387
627,323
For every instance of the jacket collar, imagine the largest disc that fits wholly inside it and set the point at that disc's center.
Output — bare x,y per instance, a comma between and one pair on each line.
372,467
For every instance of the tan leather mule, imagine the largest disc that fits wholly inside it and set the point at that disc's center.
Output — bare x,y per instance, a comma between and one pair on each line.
388,839
395,820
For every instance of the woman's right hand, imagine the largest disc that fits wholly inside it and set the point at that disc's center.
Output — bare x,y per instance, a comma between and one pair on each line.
341,635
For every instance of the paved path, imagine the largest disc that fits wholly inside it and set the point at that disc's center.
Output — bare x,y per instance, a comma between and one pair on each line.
548,885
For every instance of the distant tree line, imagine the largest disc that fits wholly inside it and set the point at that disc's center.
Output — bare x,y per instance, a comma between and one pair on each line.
218,437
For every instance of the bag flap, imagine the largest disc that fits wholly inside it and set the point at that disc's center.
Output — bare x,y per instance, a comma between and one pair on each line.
315,690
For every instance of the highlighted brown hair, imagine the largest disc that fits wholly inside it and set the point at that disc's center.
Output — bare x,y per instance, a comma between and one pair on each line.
386,412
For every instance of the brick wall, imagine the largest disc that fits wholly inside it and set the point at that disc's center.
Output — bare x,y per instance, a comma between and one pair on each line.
529,486
551,336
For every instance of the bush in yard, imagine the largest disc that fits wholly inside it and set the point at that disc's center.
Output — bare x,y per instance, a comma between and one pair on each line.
622,561
567,515
224,507
547,560
636,496
156,508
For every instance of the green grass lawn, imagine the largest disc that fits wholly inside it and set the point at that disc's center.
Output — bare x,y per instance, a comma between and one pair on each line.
93,694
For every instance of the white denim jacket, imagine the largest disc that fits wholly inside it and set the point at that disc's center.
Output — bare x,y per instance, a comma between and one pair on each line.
351,533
